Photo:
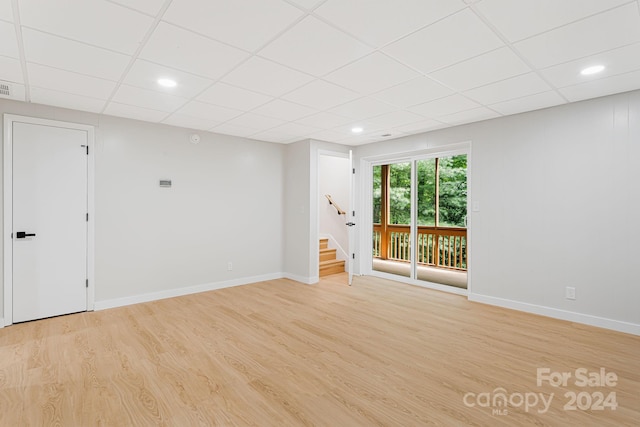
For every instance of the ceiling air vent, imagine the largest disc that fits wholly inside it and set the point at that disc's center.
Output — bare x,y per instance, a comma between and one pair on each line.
5,89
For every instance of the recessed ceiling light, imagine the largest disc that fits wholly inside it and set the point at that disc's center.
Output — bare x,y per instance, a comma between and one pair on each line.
592,70
357,129
167,82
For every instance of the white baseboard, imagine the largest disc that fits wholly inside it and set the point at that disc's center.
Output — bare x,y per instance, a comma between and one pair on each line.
177,292
1,323
306,280
587,319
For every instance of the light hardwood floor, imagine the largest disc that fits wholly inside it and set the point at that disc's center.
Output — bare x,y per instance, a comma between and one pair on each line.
280,353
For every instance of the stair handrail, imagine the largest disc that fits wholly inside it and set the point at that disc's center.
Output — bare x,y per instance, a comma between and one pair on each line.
332,203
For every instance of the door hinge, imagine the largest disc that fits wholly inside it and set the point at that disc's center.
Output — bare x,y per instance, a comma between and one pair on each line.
87,283
87,217
87,147
353,213
353,171
353,256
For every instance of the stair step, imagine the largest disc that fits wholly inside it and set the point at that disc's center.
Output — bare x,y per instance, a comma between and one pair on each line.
331,267
324,243
327,254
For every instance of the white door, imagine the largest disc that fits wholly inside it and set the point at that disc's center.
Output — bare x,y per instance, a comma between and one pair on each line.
49,221
350,218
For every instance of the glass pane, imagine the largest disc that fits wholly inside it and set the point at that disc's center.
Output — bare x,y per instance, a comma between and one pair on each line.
427,192
391,243
400,193
453,191
377,193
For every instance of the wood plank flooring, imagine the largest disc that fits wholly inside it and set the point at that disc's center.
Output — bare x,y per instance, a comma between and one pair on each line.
280,353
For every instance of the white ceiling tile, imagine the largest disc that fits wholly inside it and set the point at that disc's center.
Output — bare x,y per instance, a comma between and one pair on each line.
423,126
261,75
284,110
208,111
306,4
73,56
598,33
529,103
453,39
9,45
602,87
233,97
66,100
617,61
189,122
328,135
520,19
273,136
66,81
89,21
16,92
145,74
325,120
395,119
296,129
150,99
11,70
187,51
444,106
229,129
469,116
363,108
321,95
133,112
247,24
515,87
150,7
372,74
314,48
416,91
256,121
6,11
381,22
483,69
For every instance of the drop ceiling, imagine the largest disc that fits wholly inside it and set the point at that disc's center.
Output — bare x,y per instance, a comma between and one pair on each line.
286,70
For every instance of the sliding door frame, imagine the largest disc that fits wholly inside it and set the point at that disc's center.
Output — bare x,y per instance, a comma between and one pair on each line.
366,245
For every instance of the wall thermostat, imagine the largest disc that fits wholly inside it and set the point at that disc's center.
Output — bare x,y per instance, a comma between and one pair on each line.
195,138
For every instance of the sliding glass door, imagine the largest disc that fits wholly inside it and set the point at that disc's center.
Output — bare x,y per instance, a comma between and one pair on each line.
419,219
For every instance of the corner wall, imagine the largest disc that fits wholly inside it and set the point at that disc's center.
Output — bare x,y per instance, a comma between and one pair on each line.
559,195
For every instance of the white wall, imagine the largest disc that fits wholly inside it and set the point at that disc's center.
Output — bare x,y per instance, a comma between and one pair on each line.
298,260
333,179
559,194
226,204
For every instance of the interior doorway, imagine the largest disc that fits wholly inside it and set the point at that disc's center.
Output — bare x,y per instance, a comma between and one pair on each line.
48,257
334,194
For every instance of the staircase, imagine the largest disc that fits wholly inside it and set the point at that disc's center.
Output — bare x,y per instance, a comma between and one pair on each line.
328,262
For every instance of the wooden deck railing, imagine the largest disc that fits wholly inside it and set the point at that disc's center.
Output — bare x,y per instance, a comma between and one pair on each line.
437,246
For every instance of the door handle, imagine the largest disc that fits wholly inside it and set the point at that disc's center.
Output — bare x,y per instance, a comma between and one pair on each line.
350,224
23,234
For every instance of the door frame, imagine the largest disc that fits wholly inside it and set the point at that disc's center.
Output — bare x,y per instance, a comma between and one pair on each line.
7,258
365,243
315,196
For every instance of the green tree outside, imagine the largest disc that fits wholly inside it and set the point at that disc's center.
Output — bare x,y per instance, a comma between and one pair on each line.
453,192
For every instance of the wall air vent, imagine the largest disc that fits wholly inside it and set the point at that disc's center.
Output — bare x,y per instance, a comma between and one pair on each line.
5,89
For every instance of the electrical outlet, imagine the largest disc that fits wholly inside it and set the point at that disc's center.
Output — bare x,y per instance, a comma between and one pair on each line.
229,266
570,292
